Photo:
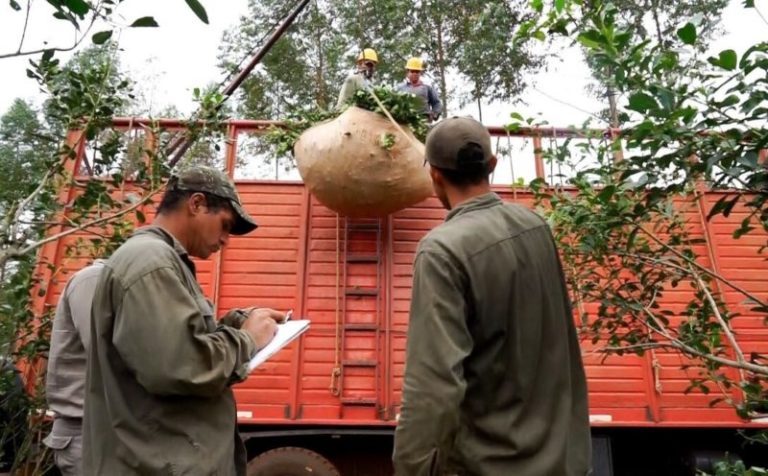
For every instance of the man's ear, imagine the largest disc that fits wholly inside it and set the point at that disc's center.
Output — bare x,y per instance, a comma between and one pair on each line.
492,164
196,203
436,176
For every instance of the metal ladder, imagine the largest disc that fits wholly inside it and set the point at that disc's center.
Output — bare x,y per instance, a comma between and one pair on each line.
361,311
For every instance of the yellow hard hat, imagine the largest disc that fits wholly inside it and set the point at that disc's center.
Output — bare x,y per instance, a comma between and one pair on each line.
415,64
368,54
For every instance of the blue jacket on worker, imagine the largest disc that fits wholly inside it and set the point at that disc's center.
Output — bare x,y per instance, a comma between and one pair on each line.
431,105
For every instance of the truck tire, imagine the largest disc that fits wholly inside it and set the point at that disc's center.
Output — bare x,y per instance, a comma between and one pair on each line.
291,461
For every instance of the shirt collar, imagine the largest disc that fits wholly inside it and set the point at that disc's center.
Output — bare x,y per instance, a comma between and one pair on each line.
486,200
171,240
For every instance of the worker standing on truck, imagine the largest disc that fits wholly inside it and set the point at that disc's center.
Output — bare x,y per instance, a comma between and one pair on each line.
361,78
430,102
160,369
65,378
494,383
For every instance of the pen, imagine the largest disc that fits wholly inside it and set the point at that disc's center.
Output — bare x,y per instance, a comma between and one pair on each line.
288,315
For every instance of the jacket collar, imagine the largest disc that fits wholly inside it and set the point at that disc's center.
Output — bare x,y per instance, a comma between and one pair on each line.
164,235
480,202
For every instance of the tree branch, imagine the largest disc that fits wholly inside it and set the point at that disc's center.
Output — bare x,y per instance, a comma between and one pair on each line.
33,246
42,50
702,268
14,229
726,328
26,23
686,349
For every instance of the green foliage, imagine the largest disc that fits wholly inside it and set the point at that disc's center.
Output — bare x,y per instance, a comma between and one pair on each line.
691,121
735,468
35,164
24,145
306,68
695,23
282,139
387,140
302,70
479,47
404,108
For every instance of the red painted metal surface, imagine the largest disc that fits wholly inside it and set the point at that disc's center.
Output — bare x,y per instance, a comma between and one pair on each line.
624,391
347,370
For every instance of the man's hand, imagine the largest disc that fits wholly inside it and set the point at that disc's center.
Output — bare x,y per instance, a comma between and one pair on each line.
261,325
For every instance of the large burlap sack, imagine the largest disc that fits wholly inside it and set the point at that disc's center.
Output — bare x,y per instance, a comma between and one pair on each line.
345,165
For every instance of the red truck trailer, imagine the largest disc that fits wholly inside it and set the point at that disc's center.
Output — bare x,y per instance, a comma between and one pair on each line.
328,403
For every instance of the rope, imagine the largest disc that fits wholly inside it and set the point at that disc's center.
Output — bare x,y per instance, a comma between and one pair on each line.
412,140
336,372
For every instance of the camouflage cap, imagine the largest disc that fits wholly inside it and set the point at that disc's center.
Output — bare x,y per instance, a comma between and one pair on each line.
457,142
215,182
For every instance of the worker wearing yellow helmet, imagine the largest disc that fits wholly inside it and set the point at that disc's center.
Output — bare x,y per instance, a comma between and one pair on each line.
432,107
361,78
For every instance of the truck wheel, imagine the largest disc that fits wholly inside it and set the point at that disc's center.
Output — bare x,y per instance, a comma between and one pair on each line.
291,461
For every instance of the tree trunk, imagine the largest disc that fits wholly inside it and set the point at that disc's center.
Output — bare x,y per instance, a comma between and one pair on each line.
479,108
612,106
322,93
441,63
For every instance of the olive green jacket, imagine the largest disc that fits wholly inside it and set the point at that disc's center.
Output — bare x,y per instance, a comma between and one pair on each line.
494,382
158,396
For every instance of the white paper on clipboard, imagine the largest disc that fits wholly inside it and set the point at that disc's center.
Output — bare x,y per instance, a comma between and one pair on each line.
286,333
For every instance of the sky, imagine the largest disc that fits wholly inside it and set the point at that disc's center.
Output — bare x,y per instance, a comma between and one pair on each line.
180,55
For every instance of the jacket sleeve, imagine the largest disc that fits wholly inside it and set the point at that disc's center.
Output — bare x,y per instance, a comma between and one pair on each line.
161,334
434,102
349,87
234,318
434,384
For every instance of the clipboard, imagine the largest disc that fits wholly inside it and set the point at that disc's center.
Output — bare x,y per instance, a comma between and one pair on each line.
286,333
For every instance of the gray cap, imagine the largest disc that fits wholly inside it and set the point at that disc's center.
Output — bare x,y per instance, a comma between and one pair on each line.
209,180
447,143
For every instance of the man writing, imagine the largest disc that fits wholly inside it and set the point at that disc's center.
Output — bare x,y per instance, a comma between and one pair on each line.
494,383
160,369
